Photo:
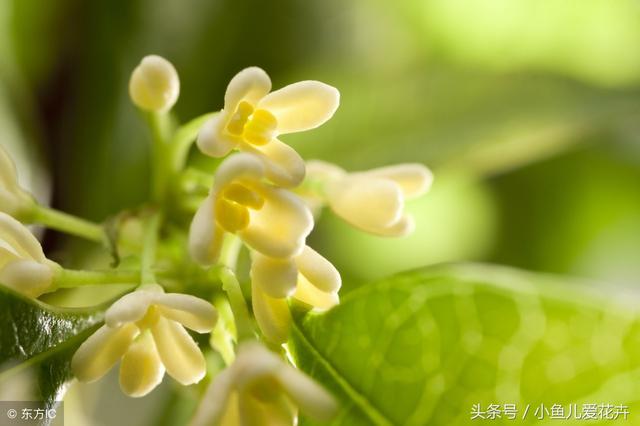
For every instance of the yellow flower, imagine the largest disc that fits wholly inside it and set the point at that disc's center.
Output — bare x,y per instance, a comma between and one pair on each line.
154,84
13,199
307,277
252,119
372,200
260,389
270,220
145,330
23,265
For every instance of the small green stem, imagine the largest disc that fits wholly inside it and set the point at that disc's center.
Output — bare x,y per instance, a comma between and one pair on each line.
64,222
149,248
160,126
182,140
231,286
70,278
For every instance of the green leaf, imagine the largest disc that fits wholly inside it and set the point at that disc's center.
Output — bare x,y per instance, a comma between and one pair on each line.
423,347
41,339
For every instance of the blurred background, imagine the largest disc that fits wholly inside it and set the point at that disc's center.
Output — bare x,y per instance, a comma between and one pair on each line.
528,112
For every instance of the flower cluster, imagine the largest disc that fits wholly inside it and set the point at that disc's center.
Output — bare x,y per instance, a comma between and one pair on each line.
263,198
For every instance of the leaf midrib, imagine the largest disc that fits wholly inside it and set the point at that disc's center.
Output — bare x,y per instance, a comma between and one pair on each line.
361,401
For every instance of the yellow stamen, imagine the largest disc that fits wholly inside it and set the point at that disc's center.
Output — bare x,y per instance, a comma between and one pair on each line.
243,195
231,216
239,119
261,128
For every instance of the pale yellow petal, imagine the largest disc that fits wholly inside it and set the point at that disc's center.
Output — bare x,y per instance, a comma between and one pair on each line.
154,84
280,228
213,140
205,236
132,307
414,178
254,412
27,277
219,403
301,106
366,203
276,277
251,84
141,369
190,311
321,170
318,270
180,355
238,167
272,315
311,295
101,351
283,165
312,399
16,236
8,175
405,226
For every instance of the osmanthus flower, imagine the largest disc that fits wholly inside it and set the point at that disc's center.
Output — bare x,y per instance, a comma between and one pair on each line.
23,265
145,329
371,200
13,199
270,220
260,389
307,277
252,119
154,84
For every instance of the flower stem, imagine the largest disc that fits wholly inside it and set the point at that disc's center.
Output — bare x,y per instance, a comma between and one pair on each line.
160,126
231,286
149,248
64,222
182,139
70,278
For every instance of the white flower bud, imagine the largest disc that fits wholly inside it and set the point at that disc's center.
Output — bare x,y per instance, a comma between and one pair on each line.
154,84
13,199
23,265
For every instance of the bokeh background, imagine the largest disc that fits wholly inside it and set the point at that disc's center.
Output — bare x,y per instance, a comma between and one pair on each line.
528,112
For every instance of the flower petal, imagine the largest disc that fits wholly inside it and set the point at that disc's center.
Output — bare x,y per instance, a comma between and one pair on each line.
205,236
219,402
414,178
309,396
284,166
276,277
132,307
180,355
8,174
212,138
321,170
141,369
301,106
405,226
101,351
18,238
251,84
190,311
27,277
254,412
272,315
311,295
241,166
318,270
280,227
366,203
